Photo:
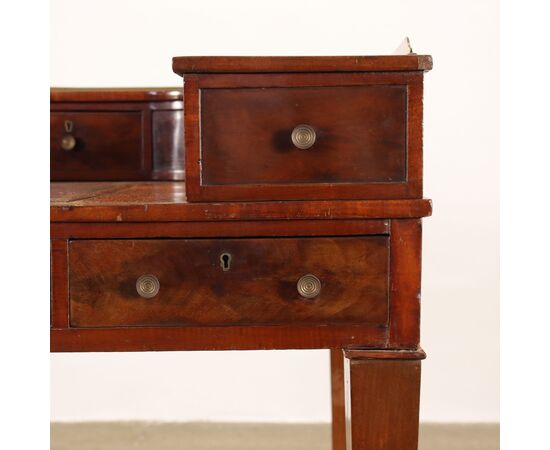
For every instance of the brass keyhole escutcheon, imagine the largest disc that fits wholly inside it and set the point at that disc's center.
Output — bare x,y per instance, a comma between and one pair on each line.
225,261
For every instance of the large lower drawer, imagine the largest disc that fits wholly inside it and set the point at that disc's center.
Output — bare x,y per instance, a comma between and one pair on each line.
249,281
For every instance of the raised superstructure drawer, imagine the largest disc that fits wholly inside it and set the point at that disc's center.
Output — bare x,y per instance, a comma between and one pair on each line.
290,132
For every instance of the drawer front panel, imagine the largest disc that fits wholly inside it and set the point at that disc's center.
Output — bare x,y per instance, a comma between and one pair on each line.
107,145
360,135
229,282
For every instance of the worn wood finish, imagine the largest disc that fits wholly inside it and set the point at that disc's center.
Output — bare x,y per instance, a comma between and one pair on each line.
338,400
121,134
258,286
166,202
360,135
369,143
383,402
270,64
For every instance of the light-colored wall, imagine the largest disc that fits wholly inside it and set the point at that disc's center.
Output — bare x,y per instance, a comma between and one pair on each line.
130,43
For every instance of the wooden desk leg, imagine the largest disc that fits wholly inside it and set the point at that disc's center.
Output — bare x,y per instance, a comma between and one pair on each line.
338,400
382,399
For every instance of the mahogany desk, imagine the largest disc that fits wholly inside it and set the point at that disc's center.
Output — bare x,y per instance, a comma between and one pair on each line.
298,225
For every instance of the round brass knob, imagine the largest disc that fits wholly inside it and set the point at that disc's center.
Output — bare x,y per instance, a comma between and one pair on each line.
68,142
303,136
147,286
309,286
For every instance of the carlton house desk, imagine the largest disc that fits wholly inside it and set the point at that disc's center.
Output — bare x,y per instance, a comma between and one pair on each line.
273,203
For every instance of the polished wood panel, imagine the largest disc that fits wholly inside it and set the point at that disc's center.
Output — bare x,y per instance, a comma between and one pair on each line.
405,267
129,230
258,286
257,64
383,404
145,339
105,142
378,157
125,94
168,145
360,135
109,146
166,202
338,399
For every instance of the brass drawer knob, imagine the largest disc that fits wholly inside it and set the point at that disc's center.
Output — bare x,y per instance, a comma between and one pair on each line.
303,136
147,286
68,142
309,286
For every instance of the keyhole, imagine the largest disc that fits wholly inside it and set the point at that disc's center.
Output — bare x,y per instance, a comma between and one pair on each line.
225,261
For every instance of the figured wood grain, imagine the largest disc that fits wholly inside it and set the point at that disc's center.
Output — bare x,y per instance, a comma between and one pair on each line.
259,287
270,64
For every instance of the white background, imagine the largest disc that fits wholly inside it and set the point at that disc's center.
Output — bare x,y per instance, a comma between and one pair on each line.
130,43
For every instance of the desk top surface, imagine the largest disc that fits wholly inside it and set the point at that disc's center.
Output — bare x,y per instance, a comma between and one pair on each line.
166,202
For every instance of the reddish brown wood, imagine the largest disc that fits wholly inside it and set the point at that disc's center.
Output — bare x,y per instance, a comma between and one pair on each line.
59,283
405,265
216,229
383,404
369,143
258,287
135,339
360,135
166,202
338,400
97,134
121,134
269,64
138,94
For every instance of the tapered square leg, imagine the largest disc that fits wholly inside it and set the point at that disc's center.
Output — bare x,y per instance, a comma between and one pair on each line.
382,399
338,400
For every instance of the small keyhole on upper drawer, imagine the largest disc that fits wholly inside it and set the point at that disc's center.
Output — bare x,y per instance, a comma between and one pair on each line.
225,261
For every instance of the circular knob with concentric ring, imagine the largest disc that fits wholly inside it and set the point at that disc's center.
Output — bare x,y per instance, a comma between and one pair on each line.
303,136
309,286
147,286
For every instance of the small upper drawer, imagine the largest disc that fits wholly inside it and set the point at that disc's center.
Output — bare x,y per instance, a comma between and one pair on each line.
97,145
224,282
303,128
304,135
